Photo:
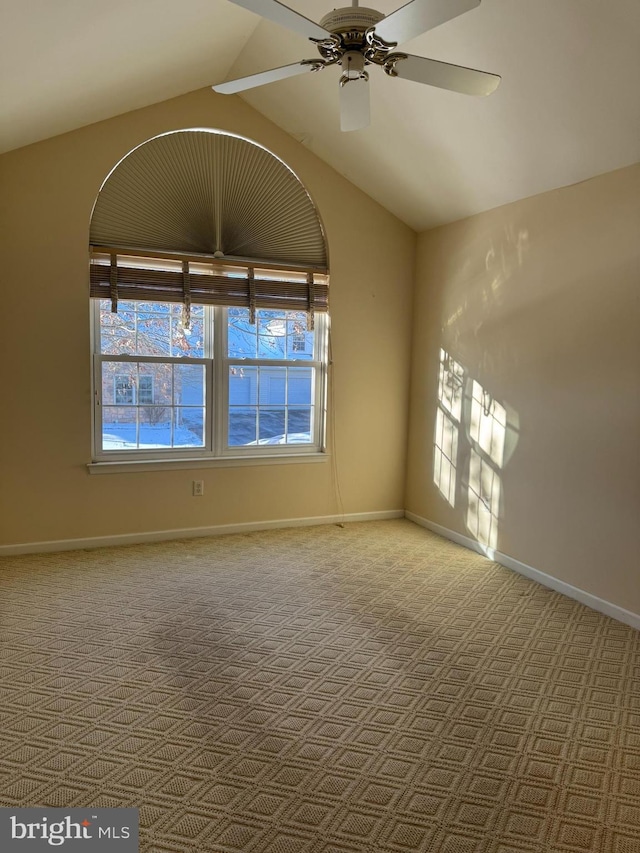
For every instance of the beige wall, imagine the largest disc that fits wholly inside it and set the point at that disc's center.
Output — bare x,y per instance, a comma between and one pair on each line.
48,191
539,301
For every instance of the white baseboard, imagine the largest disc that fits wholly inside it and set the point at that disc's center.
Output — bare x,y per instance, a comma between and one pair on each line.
192,532
599,604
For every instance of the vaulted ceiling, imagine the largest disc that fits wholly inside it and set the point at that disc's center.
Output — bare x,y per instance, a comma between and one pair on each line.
568,107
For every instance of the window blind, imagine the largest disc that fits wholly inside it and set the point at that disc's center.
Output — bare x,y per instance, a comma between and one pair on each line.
191,281
208,192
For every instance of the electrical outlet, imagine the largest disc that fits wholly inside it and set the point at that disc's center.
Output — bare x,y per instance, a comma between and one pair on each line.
198,488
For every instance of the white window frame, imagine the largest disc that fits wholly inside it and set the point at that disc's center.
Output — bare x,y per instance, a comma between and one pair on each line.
216,396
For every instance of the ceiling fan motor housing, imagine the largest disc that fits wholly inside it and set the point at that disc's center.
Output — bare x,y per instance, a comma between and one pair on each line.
352,19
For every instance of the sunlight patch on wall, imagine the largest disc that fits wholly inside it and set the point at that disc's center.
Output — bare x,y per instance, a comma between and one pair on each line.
445,456
450,385
483,504
487,432
475,434
488,424
445,451
474,438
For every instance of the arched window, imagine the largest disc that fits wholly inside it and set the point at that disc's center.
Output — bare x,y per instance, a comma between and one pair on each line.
209,288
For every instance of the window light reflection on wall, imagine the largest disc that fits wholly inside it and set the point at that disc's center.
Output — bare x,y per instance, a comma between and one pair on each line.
487,433
448,415
488,423
465,402
483,503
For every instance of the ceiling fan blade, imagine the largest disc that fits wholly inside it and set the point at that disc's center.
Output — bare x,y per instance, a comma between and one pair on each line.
418,16
468,81
281,14
354,105
264,77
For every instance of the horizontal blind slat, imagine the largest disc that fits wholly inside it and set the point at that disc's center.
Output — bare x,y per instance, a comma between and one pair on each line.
161,285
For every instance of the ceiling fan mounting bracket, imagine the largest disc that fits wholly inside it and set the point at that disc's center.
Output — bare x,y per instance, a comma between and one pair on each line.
316,64
389,64
373,49
376,44
331,50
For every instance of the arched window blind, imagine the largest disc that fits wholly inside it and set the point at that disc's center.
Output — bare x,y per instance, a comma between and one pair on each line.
207,217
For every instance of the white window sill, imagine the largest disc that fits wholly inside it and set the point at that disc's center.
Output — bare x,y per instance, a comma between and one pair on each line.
131,466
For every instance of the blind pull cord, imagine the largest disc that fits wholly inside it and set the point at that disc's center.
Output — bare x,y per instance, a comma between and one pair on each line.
252,296
186,287
311,314
113,284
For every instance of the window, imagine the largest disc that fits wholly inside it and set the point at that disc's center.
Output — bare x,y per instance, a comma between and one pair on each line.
125,389
223,386
145,390
209,281
299,343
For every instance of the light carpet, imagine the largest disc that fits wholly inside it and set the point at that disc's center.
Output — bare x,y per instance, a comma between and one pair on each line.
319,690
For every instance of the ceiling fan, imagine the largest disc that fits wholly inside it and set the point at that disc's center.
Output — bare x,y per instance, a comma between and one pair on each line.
356,37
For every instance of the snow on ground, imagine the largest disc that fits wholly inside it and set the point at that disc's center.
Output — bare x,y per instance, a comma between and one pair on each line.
242,432
123,437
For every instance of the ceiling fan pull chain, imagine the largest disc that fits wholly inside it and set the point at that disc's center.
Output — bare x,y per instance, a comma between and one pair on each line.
353,67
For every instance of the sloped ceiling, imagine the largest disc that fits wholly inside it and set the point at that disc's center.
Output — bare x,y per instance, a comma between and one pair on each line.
68,63
568,107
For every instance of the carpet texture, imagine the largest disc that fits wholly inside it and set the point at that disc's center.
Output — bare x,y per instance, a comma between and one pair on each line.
319,690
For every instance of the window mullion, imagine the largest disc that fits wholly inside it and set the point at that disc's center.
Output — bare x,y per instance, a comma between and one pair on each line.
136,409
220,380
281,362
172,400
151,359
320,378
286,401
97,404
258,382
96,328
